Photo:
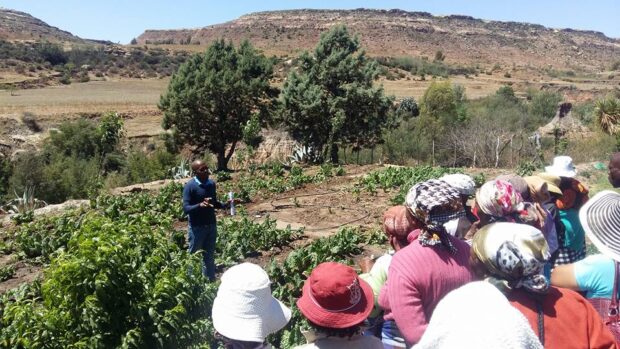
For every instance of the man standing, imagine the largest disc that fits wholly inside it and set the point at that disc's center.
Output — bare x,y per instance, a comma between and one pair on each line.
614,170
199,203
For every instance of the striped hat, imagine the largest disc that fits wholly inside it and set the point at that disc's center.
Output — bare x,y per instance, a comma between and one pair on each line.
600,218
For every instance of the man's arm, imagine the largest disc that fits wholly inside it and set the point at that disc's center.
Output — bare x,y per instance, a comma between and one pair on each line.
187,207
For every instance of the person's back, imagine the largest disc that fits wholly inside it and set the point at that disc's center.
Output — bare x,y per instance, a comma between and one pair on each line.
477,316
569,320
418,278
432,265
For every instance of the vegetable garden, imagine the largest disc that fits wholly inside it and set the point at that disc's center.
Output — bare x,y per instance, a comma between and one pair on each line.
119,275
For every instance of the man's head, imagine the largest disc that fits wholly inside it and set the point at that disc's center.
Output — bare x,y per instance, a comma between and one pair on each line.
200,169
614,170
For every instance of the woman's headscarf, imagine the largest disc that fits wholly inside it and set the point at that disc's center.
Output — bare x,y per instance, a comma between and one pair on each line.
462,182
514,255
498,198
397,222
433,203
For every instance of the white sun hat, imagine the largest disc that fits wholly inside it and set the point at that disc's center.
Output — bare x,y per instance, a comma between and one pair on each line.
244,308
562,166
600,218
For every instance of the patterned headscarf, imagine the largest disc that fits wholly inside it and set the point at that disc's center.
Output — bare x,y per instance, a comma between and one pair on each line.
498,199
514,255
433,203
462,182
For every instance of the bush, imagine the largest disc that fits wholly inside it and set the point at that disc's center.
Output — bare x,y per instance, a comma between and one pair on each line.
31,122
544,104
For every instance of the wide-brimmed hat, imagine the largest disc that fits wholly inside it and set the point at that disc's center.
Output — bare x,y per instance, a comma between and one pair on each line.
553,182
600,219
335,297
562,166
244,308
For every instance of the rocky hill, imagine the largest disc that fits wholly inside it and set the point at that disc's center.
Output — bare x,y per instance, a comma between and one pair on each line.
16,25
462,39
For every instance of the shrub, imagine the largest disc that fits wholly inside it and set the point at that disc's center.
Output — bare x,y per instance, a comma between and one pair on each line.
30,121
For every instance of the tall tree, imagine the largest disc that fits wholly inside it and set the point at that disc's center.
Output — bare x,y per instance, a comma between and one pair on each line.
214,94
330,100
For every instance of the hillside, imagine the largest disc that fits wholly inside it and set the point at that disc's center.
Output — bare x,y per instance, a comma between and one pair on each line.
16,25
462,39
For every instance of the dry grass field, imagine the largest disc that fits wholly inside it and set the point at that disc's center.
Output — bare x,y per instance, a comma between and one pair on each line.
137,99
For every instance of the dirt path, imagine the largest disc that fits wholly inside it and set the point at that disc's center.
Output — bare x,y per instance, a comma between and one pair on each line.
324,208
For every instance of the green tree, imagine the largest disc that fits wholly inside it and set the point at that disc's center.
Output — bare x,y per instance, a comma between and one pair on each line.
214,94
330,101
440,102
544,104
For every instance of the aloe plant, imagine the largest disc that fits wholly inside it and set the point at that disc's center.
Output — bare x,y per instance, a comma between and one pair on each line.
25,203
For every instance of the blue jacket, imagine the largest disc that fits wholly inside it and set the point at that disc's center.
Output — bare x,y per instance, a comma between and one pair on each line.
194,193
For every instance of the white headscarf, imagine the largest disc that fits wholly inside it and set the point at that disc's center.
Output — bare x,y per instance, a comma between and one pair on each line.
461,182
477,316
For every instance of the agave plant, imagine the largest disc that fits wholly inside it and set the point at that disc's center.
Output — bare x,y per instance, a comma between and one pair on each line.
181,171
24,203
608,114
305,155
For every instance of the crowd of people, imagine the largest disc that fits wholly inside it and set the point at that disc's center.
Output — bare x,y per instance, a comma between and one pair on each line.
501,266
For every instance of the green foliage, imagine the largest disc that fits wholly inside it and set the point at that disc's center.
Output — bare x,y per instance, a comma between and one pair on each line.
110,131
141,167
527,168
408,108
400,179
198,104
240,238
6,170
251,132
507,92
439,101
543,104
330,101
7,272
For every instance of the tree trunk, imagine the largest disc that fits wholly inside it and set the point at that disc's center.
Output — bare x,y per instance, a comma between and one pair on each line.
372,155
333,154
497,153
223,158
433,160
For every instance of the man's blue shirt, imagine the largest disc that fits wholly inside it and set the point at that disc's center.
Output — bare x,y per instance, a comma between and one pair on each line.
194,193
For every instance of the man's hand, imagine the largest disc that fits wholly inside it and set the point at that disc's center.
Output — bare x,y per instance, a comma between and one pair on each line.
206,203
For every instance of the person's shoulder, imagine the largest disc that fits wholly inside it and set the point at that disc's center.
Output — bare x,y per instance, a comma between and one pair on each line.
190,183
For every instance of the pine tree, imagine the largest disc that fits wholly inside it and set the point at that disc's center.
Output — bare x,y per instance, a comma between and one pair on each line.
213,96
330,101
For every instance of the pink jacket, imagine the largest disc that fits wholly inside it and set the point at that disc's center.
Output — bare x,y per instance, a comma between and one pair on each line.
418,278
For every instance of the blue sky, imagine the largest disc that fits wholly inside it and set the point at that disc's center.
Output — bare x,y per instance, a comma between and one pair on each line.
120,21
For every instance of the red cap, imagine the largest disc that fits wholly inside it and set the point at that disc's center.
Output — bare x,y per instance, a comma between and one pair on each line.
334,297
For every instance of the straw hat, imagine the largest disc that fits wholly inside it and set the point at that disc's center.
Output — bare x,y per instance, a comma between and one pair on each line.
600,218
244,308
334,297
562,166
553,182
